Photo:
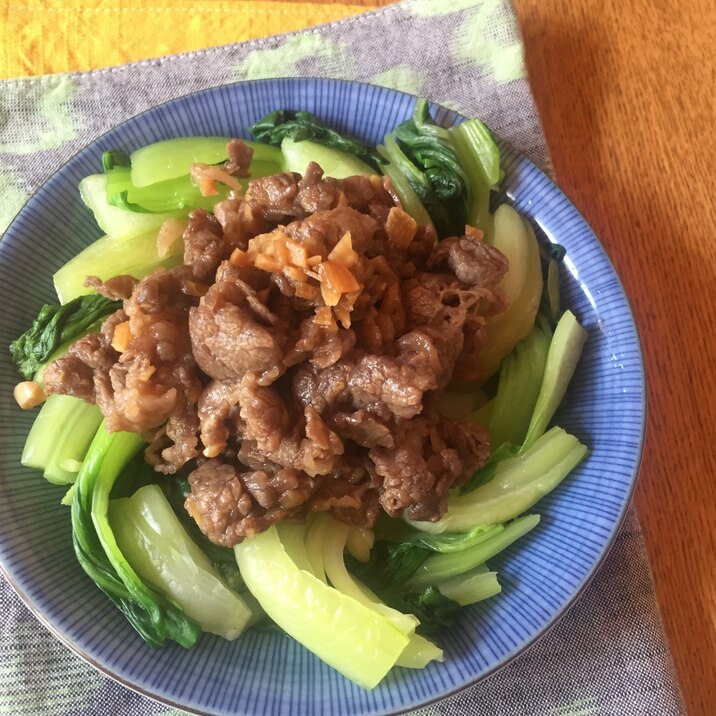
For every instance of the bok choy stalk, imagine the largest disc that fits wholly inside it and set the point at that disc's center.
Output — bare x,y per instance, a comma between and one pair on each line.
108,257
529,395
521,375
154,542
55,326
117,222
349,636
156,617
479,156
441,567
517,483
60,436
419,651
283,124
172,158
177,195
522,286
564,353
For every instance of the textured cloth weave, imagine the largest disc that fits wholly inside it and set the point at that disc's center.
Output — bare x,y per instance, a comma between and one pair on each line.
608,654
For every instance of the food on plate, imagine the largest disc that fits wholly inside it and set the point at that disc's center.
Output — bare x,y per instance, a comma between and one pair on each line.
302,382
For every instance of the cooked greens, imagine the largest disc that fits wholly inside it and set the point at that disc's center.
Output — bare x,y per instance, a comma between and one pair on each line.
299,126
55,326
154,615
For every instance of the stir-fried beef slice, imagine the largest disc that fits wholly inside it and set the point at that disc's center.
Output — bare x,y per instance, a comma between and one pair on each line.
264,414
355,504
473,261
239,161
239,222
384,385
204,245
282,196
233,332
273,198
316,194
113,288
84,370
321,232
288,488
472,443
142,369
308,445
229,505
218,411
363,428
175,443
155,376
366,192
311,447
317,343
430,456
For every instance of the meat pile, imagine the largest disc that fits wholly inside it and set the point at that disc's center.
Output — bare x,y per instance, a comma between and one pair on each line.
292,360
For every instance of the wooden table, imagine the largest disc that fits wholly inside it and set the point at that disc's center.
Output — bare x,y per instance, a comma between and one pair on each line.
627,96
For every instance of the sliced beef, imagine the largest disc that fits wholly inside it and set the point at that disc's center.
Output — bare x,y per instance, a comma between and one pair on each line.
229,505
233,332
273,198
430,456
204,245
362,428
114,288
472,261
239,158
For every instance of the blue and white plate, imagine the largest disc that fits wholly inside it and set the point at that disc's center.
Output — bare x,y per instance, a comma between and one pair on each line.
264,673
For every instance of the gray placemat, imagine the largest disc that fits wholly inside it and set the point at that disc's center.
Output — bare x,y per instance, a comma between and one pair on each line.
608,655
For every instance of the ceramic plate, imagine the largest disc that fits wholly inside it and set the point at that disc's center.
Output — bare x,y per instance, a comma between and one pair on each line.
265,673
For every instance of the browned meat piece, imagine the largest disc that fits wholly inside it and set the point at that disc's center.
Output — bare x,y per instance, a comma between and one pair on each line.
321,232
84,370
204,245
319,344
114,288
430,456
288,488
238,222
141,369
232,333
175,443
383,385
362,428
218,502
229,506
364,192
155,375
273,198
354,504
316,194
218,413
281,196
265,416
239,158
309,445
473,261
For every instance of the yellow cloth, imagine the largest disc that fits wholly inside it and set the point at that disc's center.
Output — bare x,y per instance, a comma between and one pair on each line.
46,36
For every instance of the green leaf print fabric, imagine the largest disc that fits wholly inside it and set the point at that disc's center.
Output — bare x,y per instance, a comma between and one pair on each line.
608,654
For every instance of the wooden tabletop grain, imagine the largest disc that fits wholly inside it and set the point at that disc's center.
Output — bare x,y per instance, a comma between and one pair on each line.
627,93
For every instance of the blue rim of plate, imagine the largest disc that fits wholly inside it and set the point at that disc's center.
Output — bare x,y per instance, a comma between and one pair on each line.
554,218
